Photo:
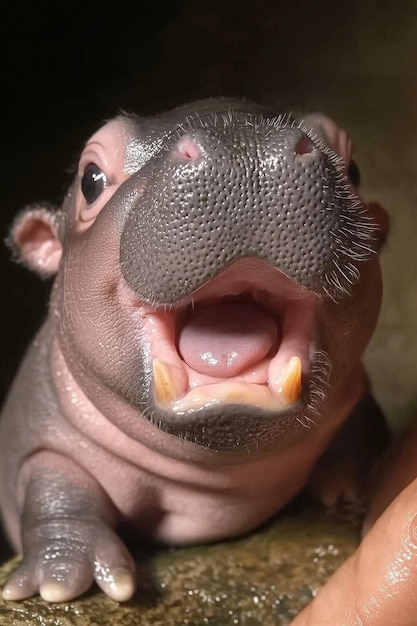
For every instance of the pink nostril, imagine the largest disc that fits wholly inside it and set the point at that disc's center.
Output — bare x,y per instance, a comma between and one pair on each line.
189,149
304,146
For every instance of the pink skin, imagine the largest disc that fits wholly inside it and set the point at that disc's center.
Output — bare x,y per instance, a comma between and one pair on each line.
84,440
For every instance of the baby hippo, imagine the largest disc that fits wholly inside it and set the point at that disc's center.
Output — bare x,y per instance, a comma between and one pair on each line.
217,280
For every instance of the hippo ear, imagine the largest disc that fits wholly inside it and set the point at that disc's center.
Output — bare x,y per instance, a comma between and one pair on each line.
34,239
334,137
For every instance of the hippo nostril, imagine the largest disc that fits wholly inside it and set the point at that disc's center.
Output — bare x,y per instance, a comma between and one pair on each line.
189,149
304,146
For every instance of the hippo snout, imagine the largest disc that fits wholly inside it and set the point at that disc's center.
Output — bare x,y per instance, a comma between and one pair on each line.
242,187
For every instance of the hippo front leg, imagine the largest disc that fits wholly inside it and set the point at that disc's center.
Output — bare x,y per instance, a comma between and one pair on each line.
342,472
67,536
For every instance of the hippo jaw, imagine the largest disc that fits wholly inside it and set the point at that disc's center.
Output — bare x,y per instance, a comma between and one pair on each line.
215,374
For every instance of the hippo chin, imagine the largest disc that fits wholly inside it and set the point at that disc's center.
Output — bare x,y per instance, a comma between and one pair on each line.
216,282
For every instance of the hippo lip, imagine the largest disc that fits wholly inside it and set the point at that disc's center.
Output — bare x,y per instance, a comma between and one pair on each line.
269,377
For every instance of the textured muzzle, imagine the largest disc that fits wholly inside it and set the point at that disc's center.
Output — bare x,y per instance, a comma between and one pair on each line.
243,186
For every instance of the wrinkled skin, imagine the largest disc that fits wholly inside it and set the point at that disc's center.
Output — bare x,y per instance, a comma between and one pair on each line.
216,283
381,575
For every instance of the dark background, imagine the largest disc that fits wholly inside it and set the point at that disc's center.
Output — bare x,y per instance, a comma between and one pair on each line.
68,66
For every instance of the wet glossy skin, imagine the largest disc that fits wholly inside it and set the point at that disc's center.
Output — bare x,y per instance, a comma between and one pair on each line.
139,401
382,574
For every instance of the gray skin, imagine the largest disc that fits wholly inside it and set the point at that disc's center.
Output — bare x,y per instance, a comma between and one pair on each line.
212,243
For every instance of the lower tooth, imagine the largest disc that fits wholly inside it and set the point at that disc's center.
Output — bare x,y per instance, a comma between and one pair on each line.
164,383
288,384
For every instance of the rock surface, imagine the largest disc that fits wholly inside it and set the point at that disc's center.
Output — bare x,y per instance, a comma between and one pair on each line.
263,579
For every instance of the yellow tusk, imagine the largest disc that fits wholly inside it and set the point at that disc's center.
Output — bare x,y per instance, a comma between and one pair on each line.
290,384
164,383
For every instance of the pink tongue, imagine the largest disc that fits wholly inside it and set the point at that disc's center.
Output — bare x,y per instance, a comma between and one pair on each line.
223,340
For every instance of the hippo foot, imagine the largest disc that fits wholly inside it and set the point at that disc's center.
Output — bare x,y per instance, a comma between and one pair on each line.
67,536
63,559
342,473
335,483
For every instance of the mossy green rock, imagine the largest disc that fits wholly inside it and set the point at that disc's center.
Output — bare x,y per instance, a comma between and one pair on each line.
262,579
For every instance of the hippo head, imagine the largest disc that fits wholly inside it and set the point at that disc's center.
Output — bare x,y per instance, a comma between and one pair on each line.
217,272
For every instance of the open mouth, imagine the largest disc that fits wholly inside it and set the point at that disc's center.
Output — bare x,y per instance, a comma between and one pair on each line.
243,338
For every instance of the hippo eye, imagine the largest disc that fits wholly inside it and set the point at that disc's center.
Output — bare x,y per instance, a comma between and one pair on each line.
93,183
354,174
